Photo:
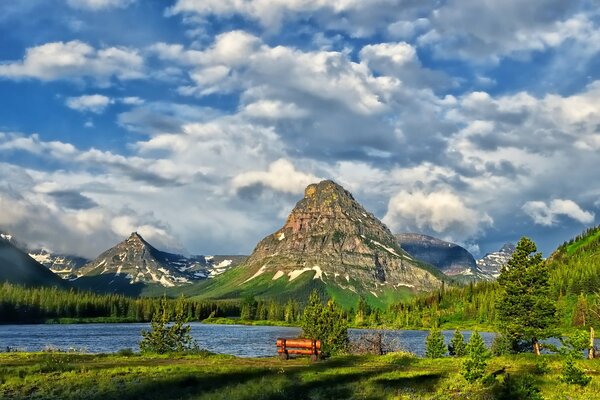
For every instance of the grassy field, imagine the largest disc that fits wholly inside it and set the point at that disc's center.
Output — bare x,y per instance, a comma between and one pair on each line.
394,376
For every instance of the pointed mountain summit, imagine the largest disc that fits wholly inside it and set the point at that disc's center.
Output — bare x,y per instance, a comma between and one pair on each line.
136,261
491,264
331,239
134,265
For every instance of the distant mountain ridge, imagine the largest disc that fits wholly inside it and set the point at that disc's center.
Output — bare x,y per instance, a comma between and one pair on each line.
450,258
63,265
17,267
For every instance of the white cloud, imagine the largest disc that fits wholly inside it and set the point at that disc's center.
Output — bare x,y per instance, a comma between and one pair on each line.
273,110
441,212
95,103
96,5
547,214
360,18
75,60
281,176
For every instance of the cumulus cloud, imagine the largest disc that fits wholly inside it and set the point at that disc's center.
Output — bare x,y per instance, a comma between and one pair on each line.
547,214
96,5
358,17
443,213
95,103
281,176
75,60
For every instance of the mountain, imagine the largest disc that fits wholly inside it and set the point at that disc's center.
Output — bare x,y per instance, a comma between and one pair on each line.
491,264
450,258
65,266
134,265
17,267
331,243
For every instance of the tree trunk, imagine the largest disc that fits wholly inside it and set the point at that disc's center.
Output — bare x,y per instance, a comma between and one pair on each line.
536,347
591,354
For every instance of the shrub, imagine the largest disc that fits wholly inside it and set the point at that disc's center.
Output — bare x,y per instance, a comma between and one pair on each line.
457,346
435,346
128,352
573,374
519,388
572,349
476,361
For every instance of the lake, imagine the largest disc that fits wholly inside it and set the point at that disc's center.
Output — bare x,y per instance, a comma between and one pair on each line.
238,340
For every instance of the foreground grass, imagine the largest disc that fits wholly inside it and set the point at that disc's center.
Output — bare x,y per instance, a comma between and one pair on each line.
395,376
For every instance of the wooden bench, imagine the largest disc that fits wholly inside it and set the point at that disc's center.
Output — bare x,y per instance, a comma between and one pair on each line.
308,347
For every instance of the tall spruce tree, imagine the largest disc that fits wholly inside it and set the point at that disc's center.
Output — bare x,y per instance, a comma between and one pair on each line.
526,312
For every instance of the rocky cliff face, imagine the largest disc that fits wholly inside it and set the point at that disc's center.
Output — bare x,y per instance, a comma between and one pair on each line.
449,258
136,261
491,264
330,235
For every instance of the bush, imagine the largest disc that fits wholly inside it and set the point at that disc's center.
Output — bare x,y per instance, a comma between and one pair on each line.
164,337
572,374
435,346
457,346
501,346
520,388
476,362
572,349
128,352
376,343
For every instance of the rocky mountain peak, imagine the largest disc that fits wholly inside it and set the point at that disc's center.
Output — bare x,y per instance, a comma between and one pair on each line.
330,233
491,264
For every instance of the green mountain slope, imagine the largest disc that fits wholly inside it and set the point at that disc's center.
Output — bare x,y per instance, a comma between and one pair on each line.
18,267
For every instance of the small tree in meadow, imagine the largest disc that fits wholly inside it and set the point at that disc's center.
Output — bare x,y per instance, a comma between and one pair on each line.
326,323
476,361
165,337
434,344
572,349
457,345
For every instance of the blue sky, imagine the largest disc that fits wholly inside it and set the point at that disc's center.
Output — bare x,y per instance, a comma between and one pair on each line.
198,123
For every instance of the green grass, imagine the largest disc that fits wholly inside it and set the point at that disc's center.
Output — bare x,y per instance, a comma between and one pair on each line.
394,376
573,247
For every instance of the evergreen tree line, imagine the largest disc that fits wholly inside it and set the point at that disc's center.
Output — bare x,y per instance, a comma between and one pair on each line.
33,305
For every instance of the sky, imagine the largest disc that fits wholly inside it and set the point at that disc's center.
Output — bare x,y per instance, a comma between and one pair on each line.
198,123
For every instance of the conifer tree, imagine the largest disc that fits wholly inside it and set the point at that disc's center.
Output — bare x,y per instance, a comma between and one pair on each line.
434,344
325,323
457,346
164,337
476,361
525,309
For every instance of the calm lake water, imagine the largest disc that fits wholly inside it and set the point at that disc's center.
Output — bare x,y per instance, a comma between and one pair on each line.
238,340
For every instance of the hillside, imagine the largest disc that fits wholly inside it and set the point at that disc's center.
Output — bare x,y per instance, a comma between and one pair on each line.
19,268
575,265
331,243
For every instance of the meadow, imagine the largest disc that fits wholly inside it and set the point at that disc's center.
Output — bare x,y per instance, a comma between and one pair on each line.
125,375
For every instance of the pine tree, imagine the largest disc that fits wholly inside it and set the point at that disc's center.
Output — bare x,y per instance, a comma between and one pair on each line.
476,361
164,337
526,311
325,323
434,344
457,346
